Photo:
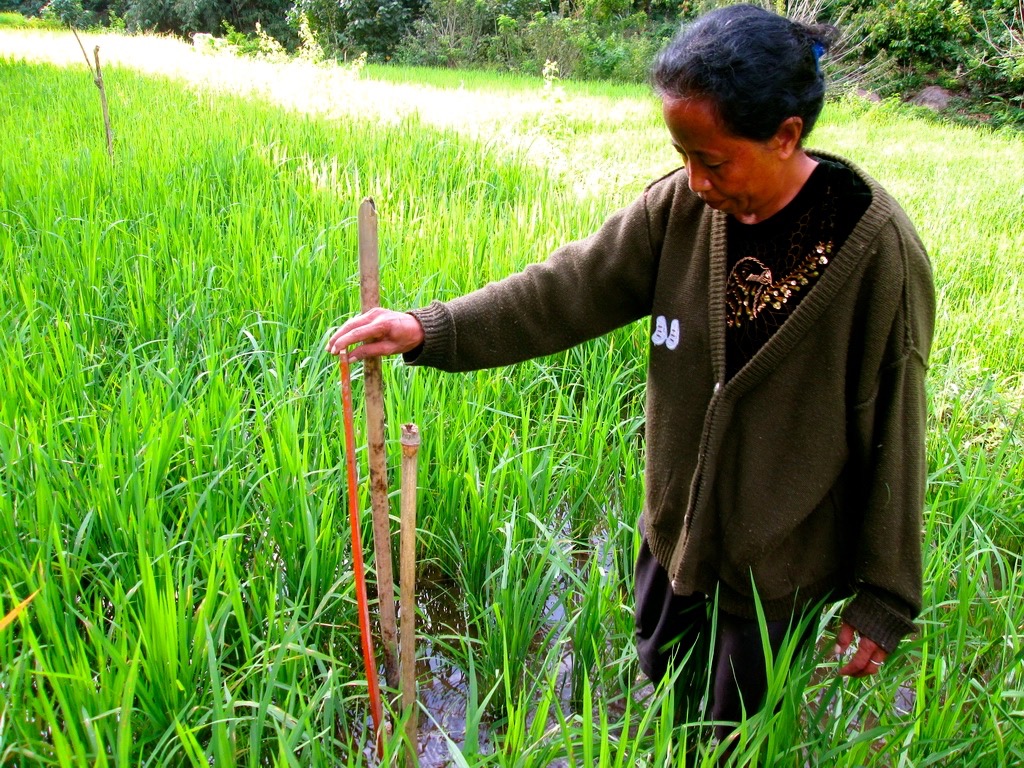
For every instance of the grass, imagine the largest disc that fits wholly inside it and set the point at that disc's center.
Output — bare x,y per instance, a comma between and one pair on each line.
489,81
12,20
170,436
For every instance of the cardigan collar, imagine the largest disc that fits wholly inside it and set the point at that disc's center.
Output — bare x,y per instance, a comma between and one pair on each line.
846,261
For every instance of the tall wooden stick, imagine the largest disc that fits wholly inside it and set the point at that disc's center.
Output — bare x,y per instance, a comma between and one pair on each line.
103,102
407,581
369,295
97,73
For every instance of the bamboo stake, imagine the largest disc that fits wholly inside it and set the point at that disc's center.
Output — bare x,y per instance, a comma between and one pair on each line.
407,582
369,295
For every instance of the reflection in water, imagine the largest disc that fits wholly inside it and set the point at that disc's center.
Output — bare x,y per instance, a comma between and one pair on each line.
441,686
442,693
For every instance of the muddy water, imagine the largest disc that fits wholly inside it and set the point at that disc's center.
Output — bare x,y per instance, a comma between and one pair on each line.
442,688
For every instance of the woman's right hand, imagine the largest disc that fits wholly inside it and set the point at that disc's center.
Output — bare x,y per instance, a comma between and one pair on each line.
376,333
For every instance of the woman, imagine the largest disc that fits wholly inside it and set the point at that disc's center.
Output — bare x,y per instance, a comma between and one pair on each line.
791,307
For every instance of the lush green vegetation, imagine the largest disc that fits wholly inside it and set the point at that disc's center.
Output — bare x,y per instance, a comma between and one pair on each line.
973,48
11,20
170,441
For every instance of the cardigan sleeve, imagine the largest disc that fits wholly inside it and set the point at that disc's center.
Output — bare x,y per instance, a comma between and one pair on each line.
887,564
887,554
583,290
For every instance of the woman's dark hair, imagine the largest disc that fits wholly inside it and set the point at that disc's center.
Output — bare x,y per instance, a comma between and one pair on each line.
756,67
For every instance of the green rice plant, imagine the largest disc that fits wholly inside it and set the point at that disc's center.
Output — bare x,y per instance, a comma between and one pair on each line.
512,617
170,441
525,739
589,632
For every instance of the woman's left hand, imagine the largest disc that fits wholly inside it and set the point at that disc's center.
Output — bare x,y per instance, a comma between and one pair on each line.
869,656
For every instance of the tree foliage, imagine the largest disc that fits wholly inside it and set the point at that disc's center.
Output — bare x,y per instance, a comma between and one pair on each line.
351,27
973,46
969,45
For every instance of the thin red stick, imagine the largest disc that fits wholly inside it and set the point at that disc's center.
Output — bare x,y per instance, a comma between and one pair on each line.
376,710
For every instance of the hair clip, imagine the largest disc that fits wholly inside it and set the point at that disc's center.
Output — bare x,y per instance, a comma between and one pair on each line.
817,49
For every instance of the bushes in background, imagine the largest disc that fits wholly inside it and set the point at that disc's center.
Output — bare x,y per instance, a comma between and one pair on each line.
459,33
974,47
963,44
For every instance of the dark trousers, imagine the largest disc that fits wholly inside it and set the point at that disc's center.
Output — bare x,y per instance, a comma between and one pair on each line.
686,632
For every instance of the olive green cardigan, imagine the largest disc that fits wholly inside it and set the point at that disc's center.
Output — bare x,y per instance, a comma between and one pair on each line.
804,474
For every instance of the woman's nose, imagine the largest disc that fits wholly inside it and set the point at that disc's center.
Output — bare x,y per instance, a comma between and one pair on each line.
699,182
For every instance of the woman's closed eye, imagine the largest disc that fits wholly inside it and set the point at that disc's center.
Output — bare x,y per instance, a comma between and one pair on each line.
710,164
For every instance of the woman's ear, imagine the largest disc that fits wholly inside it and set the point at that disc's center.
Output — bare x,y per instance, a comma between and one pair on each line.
787,139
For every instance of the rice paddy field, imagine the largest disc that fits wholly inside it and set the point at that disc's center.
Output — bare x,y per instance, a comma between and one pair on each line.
175,567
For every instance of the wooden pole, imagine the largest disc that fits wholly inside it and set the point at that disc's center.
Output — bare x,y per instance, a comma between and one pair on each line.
103,102
407,582
97,75
369,295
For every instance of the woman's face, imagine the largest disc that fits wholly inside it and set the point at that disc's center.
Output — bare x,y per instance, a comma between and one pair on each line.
748,179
